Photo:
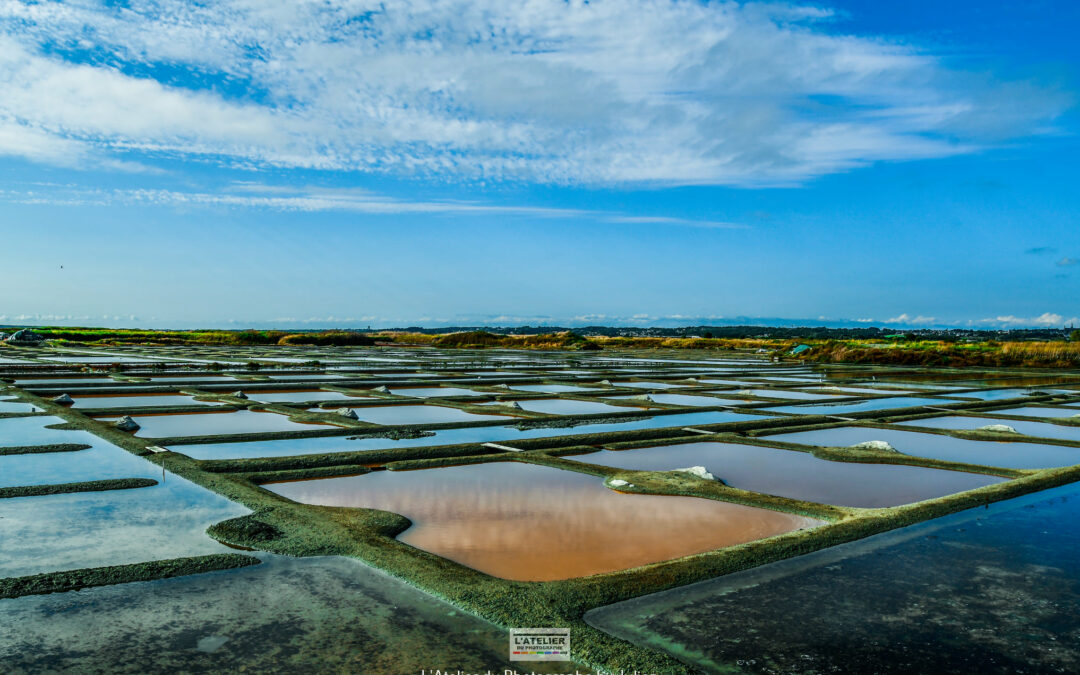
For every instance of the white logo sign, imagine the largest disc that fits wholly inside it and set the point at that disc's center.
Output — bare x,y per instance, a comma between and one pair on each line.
539,644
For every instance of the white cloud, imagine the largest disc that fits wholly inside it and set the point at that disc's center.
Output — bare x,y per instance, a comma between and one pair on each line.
1045,320
611,91
316,199
908,320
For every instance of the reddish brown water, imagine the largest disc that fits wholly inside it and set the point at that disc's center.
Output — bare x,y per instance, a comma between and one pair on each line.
534,523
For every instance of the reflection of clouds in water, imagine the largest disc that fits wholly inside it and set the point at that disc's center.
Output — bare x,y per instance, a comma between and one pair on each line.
58,532
32,431
102,460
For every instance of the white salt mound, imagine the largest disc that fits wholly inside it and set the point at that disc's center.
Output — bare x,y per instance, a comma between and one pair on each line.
618,482
883,446
1000,428
698,471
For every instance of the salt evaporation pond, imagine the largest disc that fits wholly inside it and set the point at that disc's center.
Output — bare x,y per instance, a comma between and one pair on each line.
295,396
14,405
550,388
285,615
136,401
90,529
686,399
1008,454
649,385
788,393
798,475
499,517
301,446
430,392
861,406
561,406
212,423
101,461
990,590
1034,411
1036,429
416,414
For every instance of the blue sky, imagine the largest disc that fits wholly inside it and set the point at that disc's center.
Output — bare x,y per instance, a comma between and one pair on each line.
260,163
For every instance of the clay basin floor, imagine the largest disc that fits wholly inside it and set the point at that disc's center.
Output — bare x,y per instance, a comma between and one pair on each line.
798,475
535,523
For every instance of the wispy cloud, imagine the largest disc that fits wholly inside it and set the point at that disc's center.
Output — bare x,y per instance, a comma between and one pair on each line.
906,319
1045,320
1067,262
606,92
1041,250
251,195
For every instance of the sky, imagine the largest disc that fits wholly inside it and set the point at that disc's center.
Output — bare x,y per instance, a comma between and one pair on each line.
350,163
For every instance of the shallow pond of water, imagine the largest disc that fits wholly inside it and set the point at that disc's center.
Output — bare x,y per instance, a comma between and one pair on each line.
135,401
49,381
1036,411
558,406
789,393
101,461
535,523
417,414
551,388
1009,454
90,529
992,394
14,405
858,390
213,424
301,446
430,392
983,591
286,615
190,377
302,396
861,406
688,399
798,475
100,359
1037,429
649,385
320,376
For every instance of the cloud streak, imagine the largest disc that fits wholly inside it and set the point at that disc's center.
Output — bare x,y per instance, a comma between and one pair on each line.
251,195
606,92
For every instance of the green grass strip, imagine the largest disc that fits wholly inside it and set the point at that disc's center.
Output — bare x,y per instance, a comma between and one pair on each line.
65,488
52,447
73,580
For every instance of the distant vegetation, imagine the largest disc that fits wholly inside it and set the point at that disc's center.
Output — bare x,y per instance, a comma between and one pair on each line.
328,338
482,339
107,336
1057,354
1053,349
